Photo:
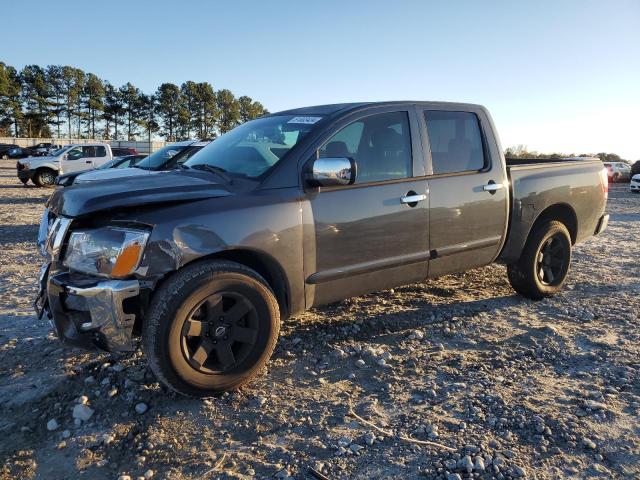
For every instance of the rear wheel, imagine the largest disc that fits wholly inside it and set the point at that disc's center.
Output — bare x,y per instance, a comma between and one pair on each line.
543,266
44,177
211,327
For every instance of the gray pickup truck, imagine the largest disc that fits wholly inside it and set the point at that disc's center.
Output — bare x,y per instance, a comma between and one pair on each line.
298,209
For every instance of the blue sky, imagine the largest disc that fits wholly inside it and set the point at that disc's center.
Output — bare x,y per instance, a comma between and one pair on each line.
556,75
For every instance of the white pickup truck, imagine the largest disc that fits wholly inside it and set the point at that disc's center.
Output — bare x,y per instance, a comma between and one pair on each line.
42,171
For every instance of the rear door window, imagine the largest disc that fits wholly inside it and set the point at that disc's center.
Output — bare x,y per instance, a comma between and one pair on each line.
101,151
89,151
456,141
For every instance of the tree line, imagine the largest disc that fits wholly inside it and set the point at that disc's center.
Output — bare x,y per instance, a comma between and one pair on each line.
63,101
521,151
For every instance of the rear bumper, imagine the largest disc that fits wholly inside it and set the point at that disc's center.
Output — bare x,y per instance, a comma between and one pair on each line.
602,224
90,313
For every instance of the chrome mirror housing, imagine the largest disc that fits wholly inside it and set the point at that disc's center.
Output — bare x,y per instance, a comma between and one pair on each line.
333,172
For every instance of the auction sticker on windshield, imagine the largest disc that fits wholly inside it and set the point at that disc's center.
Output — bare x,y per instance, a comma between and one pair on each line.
305,120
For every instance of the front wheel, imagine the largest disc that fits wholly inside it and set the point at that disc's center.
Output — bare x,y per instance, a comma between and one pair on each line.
544,263
211,327
44,178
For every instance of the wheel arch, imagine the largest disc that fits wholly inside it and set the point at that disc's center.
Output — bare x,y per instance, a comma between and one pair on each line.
562,213
42,168
520,230
265,265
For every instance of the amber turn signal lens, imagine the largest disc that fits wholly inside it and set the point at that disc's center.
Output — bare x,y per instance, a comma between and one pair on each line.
127,260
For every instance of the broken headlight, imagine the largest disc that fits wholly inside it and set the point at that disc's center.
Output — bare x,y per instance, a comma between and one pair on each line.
108,251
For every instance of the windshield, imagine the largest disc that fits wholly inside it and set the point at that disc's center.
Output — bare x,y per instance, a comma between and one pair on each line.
157,159
254,147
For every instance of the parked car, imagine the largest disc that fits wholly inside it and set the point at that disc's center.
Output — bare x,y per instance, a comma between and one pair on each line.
4,148
40,149
16,152
118,162
618,171
167,158
634,185
123,152
126,161
172,156
42,171
298,209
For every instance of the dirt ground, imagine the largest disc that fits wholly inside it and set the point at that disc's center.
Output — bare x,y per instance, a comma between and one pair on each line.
504,387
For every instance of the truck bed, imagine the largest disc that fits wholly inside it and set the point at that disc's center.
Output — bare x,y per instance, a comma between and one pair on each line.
513,161
572,185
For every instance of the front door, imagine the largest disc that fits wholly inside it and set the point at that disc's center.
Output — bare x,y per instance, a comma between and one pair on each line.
73,160
374,234
468,200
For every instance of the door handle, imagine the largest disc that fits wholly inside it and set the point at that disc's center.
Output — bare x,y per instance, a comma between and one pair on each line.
413,198
492,187
88,161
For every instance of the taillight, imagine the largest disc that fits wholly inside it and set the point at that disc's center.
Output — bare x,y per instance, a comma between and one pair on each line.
604,181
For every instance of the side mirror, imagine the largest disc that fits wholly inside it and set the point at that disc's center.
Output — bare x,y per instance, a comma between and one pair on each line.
332,172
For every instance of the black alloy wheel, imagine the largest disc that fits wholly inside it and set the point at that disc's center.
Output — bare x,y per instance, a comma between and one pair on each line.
220,333
551,260
211,327
544,263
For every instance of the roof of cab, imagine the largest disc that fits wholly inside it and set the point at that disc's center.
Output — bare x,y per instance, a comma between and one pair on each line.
335,108
322,109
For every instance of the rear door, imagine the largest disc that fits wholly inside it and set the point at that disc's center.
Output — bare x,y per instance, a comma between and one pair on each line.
99,156
469,194
366,237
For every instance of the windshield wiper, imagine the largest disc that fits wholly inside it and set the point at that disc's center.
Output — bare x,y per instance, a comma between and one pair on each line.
221,172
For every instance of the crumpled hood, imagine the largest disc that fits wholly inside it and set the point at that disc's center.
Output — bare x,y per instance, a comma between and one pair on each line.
128,191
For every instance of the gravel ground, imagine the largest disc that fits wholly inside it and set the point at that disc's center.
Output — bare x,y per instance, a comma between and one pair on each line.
501,386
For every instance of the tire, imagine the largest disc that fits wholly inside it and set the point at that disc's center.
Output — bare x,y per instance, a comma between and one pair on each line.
616,177
540,273
44,177
187,338
5,156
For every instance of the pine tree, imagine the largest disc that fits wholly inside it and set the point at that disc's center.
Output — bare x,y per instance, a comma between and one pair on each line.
10,101
94,94
35,95
56,96
229,110
113,110
168,98
249,109
131,104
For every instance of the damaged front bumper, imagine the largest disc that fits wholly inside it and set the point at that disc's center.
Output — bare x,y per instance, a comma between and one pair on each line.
87,312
